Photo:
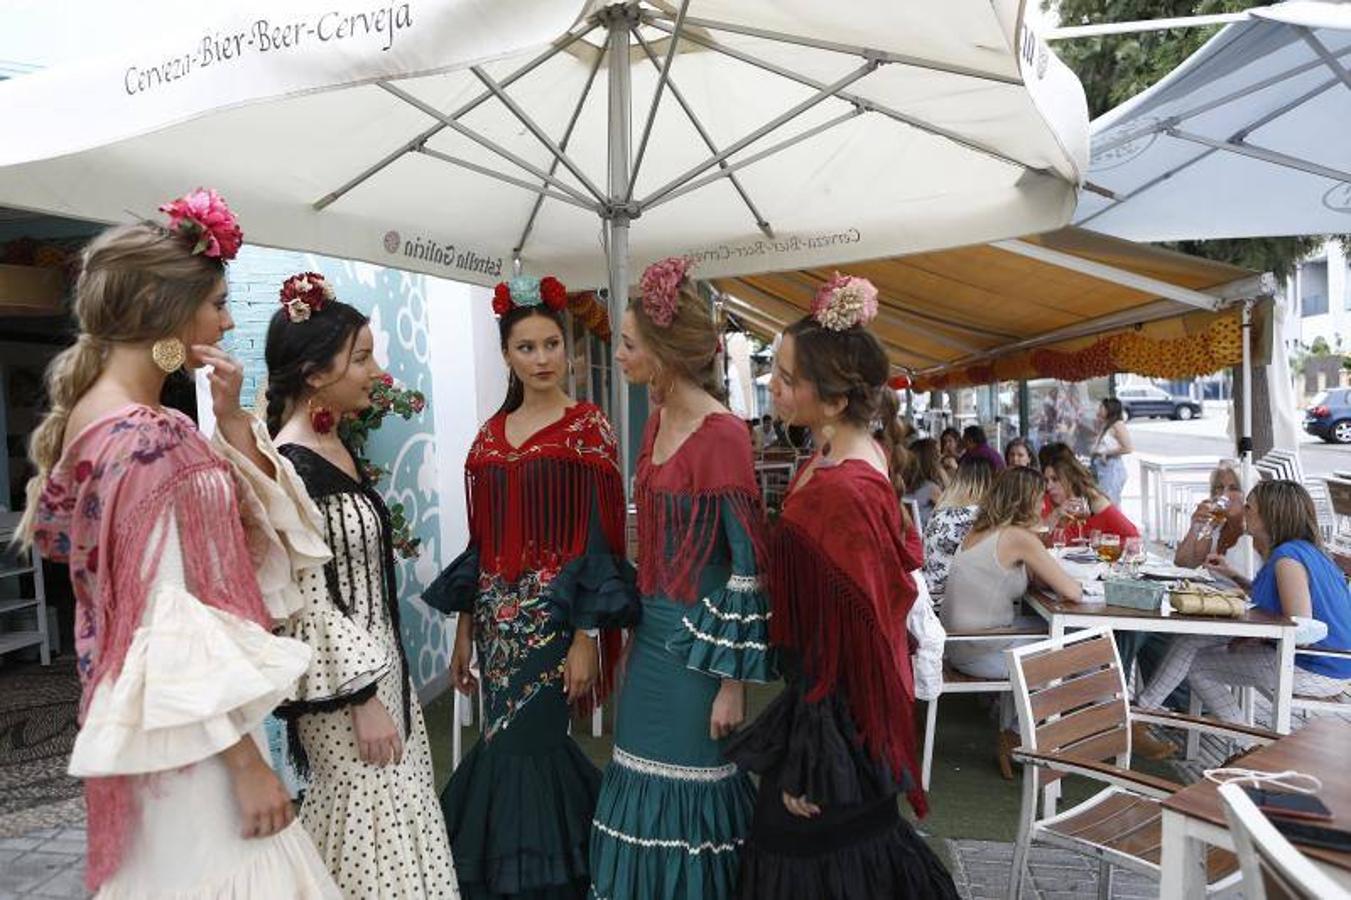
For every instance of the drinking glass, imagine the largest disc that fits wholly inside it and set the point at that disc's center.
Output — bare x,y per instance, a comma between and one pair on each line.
1109,548
1133,554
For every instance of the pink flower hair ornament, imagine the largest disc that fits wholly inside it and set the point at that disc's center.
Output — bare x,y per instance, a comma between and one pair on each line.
844,302
660,287
205,221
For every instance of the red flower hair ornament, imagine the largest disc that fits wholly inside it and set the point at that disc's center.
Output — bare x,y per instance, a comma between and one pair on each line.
204,220
304,295
524,291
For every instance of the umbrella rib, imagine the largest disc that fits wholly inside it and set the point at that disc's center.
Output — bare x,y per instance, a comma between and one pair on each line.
728,170
1324,54
1274,157
502,176
563,144
662,80
538,132
1247,91
1154,182
484,142
426,135
836,47
821,95
869,105
760,220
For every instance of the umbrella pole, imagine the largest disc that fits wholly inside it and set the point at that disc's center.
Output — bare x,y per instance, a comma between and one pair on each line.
1245,439
620,101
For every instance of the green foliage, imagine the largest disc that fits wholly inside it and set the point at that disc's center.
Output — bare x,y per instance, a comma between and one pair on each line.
386,397
1320,347
1114,68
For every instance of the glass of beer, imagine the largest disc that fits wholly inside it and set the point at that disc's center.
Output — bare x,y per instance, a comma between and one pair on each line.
1109,548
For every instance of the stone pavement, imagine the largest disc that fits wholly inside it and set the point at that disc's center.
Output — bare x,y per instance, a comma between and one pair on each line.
47,863
981,871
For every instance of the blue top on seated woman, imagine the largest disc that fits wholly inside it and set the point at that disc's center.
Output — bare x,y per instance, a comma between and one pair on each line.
1331,603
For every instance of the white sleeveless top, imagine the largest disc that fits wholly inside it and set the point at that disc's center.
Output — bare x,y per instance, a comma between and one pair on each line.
981,591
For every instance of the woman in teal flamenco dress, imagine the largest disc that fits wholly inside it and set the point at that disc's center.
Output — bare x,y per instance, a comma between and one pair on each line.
544,571
673,813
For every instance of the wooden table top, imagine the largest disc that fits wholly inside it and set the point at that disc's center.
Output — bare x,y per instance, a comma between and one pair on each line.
1056,606
1318,749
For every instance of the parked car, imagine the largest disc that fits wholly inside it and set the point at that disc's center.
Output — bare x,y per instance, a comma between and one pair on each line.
1329,416
1146,401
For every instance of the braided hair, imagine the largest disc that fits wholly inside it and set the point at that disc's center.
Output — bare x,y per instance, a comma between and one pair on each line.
296,350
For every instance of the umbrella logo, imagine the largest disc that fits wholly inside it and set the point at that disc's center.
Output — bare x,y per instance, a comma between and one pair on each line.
1142,137
1338,198
392,241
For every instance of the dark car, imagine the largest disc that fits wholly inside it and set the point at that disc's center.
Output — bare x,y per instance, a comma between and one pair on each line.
1329,416
1148,402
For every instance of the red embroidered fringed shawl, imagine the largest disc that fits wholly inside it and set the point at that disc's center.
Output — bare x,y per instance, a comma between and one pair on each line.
119,478
841,589
531,507
681,503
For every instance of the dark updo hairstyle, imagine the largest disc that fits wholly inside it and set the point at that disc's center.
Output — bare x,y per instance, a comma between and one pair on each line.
515,389
296,350
848,365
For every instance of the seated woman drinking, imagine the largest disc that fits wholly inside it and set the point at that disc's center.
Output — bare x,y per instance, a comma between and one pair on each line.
987,579
1298,580
1067,479
1217,525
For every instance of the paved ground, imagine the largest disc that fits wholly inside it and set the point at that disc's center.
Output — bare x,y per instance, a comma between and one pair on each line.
47,863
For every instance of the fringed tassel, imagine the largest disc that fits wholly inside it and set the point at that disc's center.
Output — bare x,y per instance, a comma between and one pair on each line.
820,613
217,571
536,515
677,534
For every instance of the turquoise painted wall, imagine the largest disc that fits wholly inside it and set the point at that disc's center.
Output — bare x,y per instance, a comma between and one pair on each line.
395,302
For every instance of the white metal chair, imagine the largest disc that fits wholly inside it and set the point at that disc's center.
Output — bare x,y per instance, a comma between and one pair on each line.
955,682
1273,868
1074,719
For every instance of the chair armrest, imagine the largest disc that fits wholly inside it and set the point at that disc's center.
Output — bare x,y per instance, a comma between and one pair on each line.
1126,779
1170,719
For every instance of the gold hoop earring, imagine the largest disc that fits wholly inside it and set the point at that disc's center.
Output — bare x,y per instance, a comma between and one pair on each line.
169,354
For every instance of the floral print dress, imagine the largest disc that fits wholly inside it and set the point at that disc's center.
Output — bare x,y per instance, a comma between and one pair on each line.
546,558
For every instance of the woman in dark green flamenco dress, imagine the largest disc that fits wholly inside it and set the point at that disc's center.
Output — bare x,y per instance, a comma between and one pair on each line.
545,569
673,812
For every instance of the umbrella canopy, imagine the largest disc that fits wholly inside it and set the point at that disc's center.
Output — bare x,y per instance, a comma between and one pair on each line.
451,136
1244,139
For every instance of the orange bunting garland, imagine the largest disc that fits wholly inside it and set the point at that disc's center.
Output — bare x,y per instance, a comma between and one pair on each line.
1219,346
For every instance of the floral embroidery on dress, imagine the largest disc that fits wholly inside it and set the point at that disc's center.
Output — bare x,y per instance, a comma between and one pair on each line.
512,623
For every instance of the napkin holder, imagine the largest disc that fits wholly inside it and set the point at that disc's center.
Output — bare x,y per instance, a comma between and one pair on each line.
1135,593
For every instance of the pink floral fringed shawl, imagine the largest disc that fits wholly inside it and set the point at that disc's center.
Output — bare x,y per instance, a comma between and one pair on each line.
118,479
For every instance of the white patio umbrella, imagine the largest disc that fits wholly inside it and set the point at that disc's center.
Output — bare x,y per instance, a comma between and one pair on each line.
583,139
1246,138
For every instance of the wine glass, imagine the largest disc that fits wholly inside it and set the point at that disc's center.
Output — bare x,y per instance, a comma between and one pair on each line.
1219,511
1077,510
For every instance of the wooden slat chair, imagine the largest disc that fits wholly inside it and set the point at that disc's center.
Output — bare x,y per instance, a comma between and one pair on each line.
1273,868
1074,719
955,682
1339,495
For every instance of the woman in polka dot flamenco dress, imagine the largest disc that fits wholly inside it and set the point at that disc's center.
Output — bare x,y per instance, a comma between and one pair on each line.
544,571
356,729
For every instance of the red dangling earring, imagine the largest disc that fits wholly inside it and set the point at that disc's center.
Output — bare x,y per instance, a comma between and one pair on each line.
322,419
